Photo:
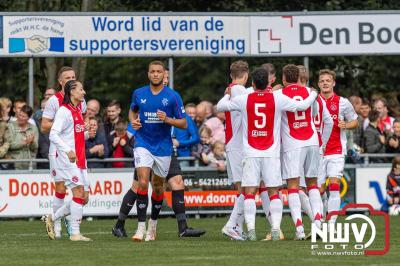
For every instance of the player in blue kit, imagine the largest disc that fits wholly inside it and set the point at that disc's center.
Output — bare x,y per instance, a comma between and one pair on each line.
154,109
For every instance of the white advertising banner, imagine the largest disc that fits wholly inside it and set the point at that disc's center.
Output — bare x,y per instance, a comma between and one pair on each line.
24,195
202,34
371,186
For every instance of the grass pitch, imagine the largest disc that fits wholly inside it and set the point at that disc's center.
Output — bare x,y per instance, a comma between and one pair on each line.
25,243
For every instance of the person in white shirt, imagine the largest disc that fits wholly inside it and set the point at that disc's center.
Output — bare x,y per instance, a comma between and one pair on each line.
53,104
261,122
68,135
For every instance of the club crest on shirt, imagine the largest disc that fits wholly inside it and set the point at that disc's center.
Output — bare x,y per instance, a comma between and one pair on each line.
164,101
75,179
333,107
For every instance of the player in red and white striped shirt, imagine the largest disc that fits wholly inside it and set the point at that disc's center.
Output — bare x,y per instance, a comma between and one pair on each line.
68,135
234,149
261,121
344,117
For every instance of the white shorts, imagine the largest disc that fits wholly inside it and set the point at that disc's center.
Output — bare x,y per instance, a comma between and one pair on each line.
333,166
234,165
75,177
53,169
321,175
159,164
302,162
266,169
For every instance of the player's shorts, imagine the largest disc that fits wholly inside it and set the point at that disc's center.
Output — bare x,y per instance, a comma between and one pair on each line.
234,166
321,175
333,166
300,162
53,169
174,170
259,169
75,177
159,164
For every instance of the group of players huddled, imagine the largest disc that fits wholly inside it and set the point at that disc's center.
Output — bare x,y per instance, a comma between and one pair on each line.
285,134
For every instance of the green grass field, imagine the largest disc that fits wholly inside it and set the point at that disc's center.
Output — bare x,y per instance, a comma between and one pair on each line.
25,243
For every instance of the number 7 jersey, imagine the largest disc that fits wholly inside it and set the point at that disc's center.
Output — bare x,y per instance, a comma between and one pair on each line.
261,114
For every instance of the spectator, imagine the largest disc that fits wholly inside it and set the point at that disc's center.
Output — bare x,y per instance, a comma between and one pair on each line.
393,184
18,104
44,141
184,139
374,140
200,115
204,147
92,108
217,157
219,115
23,137
96,144
113,117
204,117
4,144
209,111
48,93
365,108
121,145
190,110
393,143
6,105
385,123
357,132
217,129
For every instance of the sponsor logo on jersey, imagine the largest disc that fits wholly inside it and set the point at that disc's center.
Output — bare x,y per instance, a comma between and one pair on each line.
79,128
143,101
259,133
297,125
75,179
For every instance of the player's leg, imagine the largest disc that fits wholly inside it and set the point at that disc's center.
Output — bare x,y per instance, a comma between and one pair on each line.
335,169
305,199
157,197
126,206
175,181
233,228
263,192
293,168
271,175
250,183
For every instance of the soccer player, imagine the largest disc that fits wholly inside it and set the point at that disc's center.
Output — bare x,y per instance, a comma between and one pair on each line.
234,149
344,117
154,109
261,121
53,104
68,136
300,151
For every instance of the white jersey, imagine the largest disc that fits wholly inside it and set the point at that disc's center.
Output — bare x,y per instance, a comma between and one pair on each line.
298,128
339,108
68,134
261,119
50,110
323,122
233,122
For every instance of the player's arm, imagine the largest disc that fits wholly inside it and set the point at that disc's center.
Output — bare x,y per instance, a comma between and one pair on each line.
133,114
327,123
228,104
59,126
350,117
49,113
288,104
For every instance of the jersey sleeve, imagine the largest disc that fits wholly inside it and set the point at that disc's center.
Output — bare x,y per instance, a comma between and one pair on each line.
134,105
51,108
227,104
288,104
178,109
349,112
59,125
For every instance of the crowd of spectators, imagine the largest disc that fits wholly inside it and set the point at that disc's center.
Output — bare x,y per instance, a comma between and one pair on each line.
111,136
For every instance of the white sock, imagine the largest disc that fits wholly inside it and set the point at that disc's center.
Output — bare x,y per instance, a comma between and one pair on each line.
63,211
265,205
275,209
315,201
76,215
58,201
236,212
295,207
324,206
306,204
333,201
250,212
